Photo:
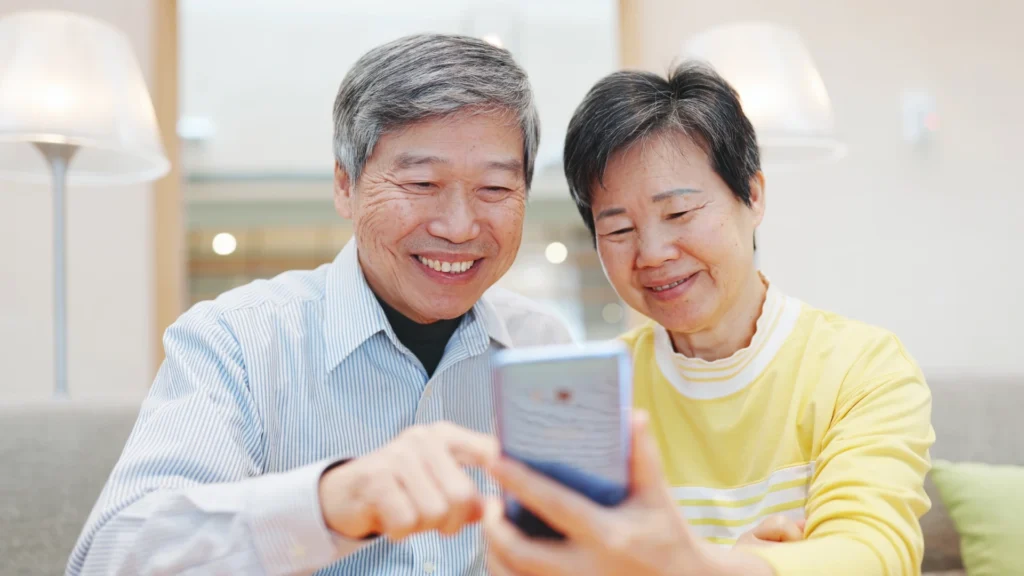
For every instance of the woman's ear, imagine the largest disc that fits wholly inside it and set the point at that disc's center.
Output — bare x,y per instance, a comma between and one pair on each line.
757,199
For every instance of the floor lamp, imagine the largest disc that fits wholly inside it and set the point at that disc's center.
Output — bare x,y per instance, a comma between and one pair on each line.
74,107
780,88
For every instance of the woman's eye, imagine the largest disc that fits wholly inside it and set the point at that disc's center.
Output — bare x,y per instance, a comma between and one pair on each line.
423,185
675,215
620,232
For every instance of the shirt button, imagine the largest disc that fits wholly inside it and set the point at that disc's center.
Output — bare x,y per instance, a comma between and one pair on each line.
428,567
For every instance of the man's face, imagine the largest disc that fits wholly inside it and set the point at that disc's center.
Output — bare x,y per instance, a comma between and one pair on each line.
438,212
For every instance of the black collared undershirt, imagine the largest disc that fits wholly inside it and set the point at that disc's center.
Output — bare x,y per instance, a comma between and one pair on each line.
426,341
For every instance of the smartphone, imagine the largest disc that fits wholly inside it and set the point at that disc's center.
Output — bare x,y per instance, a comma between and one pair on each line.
564,411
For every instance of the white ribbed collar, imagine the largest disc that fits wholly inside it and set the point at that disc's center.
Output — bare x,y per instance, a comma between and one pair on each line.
703,380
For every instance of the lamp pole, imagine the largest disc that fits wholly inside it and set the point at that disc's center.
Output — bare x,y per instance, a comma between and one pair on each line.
96,97
59,156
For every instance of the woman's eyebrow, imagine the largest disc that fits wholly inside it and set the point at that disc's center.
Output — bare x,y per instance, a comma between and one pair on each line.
672,193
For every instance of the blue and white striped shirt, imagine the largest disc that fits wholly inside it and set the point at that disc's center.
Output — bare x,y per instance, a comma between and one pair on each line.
261,390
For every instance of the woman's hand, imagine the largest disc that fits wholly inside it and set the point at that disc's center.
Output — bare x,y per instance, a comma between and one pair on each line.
773,530
645,535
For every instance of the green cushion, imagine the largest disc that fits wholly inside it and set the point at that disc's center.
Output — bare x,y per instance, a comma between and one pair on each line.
986,504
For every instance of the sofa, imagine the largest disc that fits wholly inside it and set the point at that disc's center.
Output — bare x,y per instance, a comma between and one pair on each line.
54,460
56,457
976,420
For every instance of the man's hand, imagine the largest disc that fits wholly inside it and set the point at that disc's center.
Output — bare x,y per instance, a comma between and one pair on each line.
644,536
414,484
773,530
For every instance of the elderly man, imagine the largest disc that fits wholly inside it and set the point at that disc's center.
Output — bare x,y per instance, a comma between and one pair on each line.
332,419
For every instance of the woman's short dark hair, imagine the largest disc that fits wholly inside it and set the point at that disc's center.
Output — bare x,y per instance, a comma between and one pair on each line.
628,107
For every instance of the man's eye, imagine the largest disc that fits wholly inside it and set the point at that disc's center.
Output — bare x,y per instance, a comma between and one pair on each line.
423,185
497,189
675,215
620,232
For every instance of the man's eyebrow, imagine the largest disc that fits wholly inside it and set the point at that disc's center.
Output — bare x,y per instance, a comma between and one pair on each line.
407,160
512,165
660,196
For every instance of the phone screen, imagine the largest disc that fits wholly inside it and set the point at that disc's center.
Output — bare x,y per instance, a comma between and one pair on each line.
567,417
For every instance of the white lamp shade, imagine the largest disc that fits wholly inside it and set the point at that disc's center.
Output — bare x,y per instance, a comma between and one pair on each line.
69,79
780,88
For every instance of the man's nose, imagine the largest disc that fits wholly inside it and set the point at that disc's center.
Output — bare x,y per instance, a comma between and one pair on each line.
456,220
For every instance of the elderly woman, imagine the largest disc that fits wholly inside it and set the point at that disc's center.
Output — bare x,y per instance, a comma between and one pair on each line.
757,405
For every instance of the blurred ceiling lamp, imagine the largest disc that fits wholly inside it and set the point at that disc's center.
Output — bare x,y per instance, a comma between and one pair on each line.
70,87
493,40
781,90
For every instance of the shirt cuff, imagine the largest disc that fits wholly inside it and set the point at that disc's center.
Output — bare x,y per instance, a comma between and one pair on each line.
287,523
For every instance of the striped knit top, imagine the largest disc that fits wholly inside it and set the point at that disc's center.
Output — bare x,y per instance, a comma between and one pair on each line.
819,417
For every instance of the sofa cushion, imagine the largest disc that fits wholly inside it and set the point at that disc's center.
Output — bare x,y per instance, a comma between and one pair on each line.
57,457
942,543
976,419
987,505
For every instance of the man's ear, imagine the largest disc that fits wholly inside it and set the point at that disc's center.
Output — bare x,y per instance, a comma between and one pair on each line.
343,192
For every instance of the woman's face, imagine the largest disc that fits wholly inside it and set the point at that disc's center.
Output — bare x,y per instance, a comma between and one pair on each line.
675,242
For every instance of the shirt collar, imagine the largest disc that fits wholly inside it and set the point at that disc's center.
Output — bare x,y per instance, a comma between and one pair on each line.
352,312
353,315
495,325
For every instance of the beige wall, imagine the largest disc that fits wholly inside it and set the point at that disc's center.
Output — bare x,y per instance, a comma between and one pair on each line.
924,241
110,257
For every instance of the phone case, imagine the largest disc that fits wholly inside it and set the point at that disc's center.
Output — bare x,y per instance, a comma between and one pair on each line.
564,411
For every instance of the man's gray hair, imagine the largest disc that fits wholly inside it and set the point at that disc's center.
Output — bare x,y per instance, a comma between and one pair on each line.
428,76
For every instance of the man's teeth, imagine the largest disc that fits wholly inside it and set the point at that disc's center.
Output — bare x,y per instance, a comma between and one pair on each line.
450,267
667,286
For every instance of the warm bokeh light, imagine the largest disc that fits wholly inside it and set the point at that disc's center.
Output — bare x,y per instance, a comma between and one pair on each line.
224,244
612,313
556,252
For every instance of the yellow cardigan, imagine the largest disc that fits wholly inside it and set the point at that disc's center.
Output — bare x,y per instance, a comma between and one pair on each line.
820,417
